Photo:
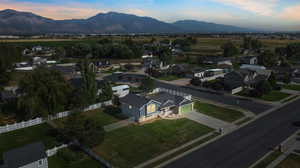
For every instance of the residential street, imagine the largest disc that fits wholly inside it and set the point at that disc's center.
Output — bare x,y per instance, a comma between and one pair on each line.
243,147
245,104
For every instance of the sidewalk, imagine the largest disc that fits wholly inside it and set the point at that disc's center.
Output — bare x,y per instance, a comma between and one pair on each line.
210,121
166,154
293,92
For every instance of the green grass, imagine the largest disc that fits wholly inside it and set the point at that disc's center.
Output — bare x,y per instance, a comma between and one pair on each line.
85,162
274,96
292,161
290,99
169,78
98,115
134,144
182,150
218,112
292,87
244,120
270,158
26,136
101,117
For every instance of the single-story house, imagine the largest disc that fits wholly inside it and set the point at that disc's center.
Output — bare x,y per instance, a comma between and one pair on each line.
211,74
216,60
196,73
154,105
29,156
236,81
251,60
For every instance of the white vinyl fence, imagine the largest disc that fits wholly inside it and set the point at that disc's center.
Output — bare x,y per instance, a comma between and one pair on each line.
37,121
53,151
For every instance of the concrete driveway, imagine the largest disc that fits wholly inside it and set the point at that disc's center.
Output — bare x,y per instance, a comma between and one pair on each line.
210,121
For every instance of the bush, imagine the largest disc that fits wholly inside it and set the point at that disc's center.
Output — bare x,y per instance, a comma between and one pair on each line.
69,156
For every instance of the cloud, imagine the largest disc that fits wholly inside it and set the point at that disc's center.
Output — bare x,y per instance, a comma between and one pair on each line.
291,13
261,7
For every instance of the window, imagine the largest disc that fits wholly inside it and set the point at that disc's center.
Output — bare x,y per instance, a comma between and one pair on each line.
130,107
40,163
151,108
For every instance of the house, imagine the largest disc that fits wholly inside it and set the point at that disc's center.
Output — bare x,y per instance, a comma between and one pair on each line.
29,156
210,74
154,105
250,60
216,60
236,81
121,90
196,73
67,70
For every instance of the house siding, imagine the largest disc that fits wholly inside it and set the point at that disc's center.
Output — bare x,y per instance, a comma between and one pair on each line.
37,165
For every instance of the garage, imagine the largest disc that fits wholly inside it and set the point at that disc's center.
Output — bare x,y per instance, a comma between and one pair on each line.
186,108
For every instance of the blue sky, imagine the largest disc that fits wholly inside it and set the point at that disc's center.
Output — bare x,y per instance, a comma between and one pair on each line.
264,14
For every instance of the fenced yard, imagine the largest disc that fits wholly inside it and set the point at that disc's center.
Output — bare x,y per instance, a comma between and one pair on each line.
37,121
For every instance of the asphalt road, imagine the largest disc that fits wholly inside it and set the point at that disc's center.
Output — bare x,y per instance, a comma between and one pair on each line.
243,147
246,104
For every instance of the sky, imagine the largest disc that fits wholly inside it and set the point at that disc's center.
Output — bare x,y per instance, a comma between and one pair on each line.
277,15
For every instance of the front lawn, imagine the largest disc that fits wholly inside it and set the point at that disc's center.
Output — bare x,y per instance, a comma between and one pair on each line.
292,87
274,96
134,144
26,136
218,112
292,161
84,162
169,78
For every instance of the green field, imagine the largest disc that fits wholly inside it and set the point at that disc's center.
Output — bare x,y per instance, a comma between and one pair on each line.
218,112
85,162
26,136
132,145
292,161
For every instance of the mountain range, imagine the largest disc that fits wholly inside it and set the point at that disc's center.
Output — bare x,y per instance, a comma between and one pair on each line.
16,22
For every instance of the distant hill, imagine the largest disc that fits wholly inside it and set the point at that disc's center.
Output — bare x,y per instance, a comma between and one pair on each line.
194,26
15,22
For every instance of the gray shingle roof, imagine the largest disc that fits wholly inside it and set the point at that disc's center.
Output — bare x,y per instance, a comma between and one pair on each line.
134,100
25,155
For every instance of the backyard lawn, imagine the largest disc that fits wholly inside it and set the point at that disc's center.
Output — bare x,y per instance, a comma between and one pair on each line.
102,118
85,162
218,112
292,161
134,144
26,136
274,96
292,87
